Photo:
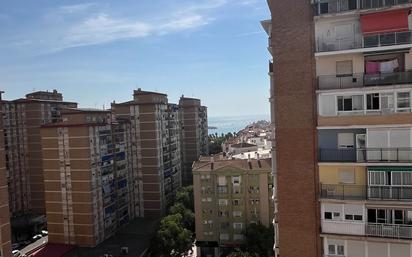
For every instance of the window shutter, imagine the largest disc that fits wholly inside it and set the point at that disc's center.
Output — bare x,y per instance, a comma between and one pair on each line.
344,68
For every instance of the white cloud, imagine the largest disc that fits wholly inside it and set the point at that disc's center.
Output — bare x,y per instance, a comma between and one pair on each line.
103,28
76,8
93,23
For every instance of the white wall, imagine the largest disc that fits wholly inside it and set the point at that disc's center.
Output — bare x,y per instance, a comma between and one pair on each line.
361,248
326,65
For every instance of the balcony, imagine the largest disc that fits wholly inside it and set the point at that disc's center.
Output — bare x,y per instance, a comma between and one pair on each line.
363,192
343,192
367,41
338,6
343,227
363,80
389,230
372,155
390,192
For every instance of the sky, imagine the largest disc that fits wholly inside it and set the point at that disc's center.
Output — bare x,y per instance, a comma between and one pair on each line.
99,52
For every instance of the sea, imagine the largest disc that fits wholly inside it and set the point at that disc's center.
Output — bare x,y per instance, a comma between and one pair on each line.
233,123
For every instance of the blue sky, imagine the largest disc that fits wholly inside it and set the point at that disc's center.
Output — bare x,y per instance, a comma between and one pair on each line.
97,52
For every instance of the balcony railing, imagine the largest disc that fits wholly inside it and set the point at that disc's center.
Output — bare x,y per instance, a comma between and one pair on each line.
343,227
337,6
390,192
343,192
389,230
365,155
363,192
368,41
363,80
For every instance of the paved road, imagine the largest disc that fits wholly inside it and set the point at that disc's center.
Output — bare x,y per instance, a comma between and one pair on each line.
34,245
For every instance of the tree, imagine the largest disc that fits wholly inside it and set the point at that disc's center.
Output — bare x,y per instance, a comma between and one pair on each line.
239,253
188,217
259,239
185,196
172,239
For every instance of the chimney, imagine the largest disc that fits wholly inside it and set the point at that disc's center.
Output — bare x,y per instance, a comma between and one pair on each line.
212,162
258,160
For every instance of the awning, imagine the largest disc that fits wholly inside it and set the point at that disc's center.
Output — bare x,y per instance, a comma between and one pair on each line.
394,168
383,22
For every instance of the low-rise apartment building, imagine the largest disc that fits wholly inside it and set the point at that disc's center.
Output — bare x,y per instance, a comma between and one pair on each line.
229,195
90,177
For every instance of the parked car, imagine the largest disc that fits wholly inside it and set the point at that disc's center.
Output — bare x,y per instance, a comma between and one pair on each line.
15,246
36,237
44,232
16,253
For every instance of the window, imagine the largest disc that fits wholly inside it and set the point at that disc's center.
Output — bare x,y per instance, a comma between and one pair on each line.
344,68
372,101
236,202
237,225
399,217
336,250
224,236
331,215
238,237
387,101
350,103
223,202
328,215
237,214
377,178
222,181
346,140
236,180
404,100
347,176
353,217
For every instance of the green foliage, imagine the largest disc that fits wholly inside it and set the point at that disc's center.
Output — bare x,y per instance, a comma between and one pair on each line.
259,239
215,141
185,196
242,254
172,239
188,217
174,235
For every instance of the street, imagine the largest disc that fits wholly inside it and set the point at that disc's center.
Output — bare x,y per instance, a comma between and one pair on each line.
34,245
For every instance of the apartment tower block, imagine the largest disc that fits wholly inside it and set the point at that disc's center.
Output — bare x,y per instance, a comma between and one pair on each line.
89,182
22,121
344,69
195,141
5,233
156,144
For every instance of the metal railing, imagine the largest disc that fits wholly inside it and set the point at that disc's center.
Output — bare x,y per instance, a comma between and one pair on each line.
367,41
389,230
358,80
337,6
363,192
343,192
390,192
403,154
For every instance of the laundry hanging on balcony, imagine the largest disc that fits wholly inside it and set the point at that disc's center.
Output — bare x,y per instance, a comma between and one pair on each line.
375,67
385,22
